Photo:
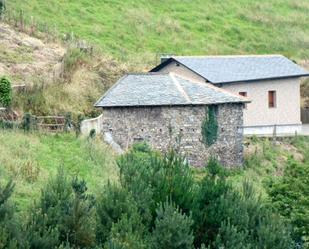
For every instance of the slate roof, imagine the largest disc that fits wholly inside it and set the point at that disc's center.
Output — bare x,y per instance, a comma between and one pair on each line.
228,69
155,89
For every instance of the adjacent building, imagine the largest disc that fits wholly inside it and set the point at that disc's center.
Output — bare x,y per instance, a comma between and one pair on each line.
271,82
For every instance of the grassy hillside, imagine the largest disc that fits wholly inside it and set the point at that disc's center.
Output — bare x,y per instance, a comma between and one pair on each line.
31,159
136,30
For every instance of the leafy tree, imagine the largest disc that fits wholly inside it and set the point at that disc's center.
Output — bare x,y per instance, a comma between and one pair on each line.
5,90
173,230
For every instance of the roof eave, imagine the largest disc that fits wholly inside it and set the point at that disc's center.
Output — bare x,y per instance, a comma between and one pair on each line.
165,63
171,105
262,79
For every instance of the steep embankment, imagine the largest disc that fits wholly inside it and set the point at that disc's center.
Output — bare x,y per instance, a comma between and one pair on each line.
53,77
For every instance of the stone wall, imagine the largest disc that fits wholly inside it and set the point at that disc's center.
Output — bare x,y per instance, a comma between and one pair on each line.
88,124
180,128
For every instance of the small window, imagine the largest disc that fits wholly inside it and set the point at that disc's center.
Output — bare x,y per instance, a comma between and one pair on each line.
271,99
244,94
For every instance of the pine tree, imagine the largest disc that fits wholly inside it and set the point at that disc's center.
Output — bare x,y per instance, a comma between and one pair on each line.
63,215
228,218
112,204
10,236
172,228
129,232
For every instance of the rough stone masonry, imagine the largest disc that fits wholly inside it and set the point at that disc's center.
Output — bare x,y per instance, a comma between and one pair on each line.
179,127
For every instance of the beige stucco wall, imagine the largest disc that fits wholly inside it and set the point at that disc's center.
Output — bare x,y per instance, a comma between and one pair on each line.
287,110
182,71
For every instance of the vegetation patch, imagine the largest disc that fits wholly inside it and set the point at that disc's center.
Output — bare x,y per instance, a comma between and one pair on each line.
31,158
5,92
210,126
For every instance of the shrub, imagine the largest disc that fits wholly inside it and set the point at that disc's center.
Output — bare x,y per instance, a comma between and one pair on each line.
64,214
2,7
112,204
223,215
7,124
152,179
9,228
129,232
67,121
5,91
72,59
141,147
172,228
92,133
26,122
289,195
32,99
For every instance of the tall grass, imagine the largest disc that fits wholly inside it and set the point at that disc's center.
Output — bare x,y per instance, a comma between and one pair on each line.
30,159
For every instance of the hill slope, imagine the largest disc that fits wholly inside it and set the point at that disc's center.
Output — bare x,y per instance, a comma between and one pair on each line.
135,30
57,77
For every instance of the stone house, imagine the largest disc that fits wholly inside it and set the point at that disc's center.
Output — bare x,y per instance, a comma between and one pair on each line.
271,82
167,111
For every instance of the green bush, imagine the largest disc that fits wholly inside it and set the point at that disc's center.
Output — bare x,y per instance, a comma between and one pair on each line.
223,215
152,179
5,92
2,6
141,147
73,58
32,99
9,228
129,232
112,204
173,229
63,214
7,124
290,196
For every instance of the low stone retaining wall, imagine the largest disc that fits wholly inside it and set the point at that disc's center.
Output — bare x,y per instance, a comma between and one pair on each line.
94,123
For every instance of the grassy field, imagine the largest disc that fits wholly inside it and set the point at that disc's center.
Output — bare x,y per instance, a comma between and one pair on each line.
136,30
30,159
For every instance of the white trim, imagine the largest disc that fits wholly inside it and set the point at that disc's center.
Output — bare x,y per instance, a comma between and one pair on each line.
286,129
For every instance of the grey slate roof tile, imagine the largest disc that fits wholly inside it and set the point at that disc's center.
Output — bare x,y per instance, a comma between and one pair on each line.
226,69
153,89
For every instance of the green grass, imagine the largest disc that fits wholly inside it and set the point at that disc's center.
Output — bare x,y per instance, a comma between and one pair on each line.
136,30
265,159
31,159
